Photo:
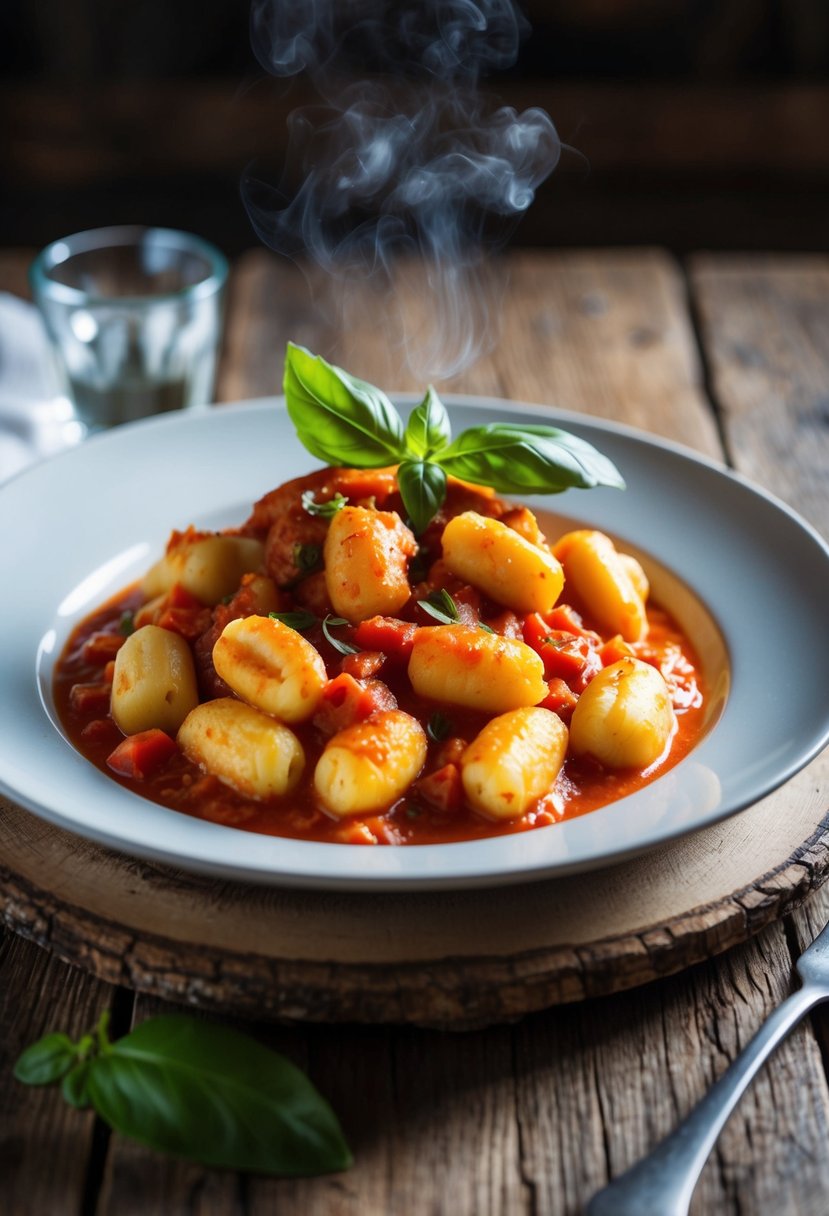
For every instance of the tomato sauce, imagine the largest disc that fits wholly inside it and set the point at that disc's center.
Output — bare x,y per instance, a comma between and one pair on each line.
81,692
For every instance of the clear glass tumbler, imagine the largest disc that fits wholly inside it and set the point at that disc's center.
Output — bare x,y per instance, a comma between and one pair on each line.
135,317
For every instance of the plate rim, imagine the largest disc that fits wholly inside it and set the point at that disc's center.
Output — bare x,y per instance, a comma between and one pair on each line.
385,880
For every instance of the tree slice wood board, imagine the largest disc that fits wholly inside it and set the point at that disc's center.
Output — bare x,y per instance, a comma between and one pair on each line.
460,959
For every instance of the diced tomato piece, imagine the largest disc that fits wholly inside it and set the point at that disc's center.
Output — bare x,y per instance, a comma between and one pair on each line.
560,698
507,624
101,647
565,617
393,637
190,622
443,789
90,698
363,665
180,597
615,648
345,701
565,654
142,755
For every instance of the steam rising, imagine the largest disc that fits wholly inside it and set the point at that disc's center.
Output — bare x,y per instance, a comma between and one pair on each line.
411,160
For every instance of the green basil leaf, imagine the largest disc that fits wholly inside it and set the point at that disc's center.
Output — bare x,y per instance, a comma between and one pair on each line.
429,429
422,487
341,647
338,418
75,1087
324,510
529,459
439,727
299,620
307,558
441,606
47,1060
211,1095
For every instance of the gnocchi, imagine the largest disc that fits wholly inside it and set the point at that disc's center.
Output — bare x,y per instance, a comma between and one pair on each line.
513,762
271,667
250,751
624,718
209,567
612,587
366,558
368,766
153,682
502,563
324,674
465,666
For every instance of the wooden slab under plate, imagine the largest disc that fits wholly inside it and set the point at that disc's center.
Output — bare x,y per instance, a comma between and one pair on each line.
457,959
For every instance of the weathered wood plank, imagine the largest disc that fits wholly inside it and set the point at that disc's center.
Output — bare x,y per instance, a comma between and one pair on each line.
604,333
46,1146
765,326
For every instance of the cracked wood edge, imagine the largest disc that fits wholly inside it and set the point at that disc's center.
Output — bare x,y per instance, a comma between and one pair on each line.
462,992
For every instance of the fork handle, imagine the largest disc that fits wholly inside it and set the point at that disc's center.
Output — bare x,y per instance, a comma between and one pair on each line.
662,1183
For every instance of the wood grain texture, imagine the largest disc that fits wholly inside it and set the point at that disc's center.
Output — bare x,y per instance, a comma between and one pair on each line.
597,333
765,322
46,1147
606,333
466,958
526,1118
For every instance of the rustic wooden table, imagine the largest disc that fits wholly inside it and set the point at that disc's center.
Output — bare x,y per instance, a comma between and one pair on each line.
729,355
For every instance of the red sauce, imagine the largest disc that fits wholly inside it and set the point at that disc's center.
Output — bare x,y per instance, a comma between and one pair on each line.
582,786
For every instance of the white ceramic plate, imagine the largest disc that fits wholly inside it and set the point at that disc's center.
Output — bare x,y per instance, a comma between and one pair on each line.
82,525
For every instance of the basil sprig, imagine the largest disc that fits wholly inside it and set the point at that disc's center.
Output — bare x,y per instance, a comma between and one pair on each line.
344,421
195,1090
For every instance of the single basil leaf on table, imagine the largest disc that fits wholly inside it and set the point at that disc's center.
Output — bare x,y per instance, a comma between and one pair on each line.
74,1086
209,1094
428,429
47,1060
422,487
530,459
338,418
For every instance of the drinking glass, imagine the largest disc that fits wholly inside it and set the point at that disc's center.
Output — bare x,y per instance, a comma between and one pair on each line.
134,315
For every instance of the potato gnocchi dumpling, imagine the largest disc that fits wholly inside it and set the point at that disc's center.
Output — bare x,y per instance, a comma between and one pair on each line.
209,567
153,682
366,558
321,672
369,766
249,750
513,762
462,665
624,718
501,563
612,587
270,666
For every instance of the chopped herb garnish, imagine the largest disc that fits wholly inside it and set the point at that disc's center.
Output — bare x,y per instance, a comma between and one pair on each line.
300,620
439,727
334,622
307,558
126,625
324,510
485,628
412,812
441,606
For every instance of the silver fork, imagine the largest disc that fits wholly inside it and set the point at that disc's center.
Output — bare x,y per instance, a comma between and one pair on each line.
662,1183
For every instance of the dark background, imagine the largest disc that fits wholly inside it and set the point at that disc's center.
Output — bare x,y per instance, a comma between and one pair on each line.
698,123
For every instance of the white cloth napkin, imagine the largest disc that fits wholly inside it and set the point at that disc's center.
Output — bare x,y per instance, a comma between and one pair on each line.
36,419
